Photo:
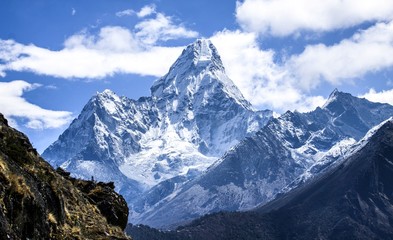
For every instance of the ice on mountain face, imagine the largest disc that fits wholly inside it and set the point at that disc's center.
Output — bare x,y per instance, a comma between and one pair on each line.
323,161
332,98
205,51
109,100
169,154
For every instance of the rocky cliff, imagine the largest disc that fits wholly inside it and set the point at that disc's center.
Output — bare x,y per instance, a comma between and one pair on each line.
37,202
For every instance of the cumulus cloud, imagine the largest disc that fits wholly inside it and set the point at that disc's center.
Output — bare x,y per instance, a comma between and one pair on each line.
113,50
146,11
127,12
367,51
385,96
161,28
13,105
290,84
260,79
286,17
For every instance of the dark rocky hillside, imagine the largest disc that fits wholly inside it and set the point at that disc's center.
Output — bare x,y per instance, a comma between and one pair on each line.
37,202
351,201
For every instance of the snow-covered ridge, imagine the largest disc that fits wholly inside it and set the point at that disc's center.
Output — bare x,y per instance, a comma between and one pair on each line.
332,97
205,51
359,145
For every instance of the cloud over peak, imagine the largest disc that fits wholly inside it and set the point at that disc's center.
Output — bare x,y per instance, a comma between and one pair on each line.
112,50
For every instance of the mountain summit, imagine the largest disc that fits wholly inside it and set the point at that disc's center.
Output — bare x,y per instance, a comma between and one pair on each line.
197,76
150,146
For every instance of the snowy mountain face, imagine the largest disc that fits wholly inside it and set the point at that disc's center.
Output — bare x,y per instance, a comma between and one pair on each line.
288,151
194,115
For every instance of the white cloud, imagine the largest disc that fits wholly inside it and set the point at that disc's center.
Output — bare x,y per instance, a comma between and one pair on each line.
146,11
262,82
113,50
286,17
13,105
127,12
161,28
290,85
73,11
367,51
111,39
385,96
52,87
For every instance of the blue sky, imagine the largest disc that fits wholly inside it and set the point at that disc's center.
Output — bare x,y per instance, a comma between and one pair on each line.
282,54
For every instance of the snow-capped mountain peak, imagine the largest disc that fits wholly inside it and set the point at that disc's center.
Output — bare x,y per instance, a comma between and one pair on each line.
197,75
106,92
337,98
200,55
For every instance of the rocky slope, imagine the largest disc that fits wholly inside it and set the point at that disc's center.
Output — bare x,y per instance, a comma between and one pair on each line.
194,114
37,202
285,153
353,200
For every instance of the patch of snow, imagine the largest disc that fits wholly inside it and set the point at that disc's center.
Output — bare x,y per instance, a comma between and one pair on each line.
205,52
